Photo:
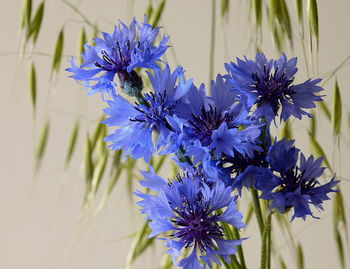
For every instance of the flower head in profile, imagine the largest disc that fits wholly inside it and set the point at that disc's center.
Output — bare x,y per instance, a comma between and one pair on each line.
298,186
150,115
119,53
269,85
185,212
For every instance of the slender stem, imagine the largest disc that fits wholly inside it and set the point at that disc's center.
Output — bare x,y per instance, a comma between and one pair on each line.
212,41
257,210
269,246
265,245
239,249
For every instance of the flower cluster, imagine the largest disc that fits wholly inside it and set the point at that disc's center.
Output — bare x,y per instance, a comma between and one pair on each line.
221,140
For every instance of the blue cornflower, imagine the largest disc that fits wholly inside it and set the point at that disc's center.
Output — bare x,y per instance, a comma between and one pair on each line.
250,172
119,53
189,211
269,84
298,186
149,115
218,124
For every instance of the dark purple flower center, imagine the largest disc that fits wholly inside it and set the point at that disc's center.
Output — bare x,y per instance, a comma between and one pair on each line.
294,179
205,123
154,108
195,226
118,58
272,87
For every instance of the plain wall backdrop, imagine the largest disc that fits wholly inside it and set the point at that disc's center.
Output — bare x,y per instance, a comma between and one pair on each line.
39,223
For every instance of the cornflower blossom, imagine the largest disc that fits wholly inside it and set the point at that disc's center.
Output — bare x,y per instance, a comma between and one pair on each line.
298,186
119,53
150,115
216,125
186,212
269,85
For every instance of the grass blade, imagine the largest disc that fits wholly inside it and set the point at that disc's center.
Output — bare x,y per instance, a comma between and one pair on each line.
299,8
88,163
99,172
313,125
26,13
149,11
225,7
81,42
258,12
72,143
340,248
313,19
35,24
286,131
158,13
139,245
282,263
324,108
300,257
318,151
32,86
57,56
337,110
41,145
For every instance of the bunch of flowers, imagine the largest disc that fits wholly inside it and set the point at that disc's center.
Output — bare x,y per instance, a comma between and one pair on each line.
221,141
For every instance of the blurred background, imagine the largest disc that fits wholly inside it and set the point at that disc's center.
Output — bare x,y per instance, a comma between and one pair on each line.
42,222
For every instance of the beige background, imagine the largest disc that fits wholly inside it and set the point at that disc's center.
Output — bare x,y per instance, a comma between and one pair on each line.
39,227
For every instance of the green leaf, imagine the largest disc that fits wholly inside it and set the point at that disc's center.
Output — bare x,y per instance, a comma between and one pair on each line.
318,151
313,19
158,13
26,13
337,110
32,86
57,56
72,143
299,8
35,24
300,257
42,142
81,42
225,7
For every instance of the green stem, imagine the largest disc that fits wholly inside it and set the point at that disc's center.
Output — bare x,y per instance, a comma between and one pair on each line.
239,249
269,246
265,245
212,41
257,210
